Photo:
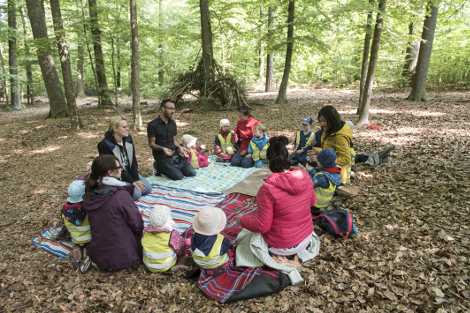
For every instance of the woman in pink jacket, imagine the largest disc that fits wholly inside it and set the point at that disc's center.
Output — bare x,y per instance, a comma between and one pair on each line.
283,216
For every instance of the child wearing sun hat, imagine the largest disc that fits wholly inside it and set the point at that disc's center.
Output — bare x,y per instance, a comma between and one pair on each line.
194,157
163,247
208,247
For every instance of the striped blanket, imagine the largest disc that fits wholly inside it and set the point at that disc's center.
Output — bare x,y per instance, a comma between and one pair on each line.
183,205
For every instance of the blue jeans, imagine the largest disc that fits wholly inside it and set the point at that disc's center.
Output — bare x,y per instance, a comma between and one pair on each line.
137,193
173,172
240,161
219,160
296,159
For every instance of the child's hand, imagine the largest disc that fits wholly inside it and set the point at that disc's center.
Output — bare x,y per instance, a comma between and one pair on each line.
202,147
243,153
248,156
299,151
314,142
239,219
232,132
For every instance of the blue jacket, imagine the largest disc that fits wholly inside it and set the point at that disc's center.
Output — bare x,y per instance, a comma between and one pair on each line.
322,180
259,142
205,243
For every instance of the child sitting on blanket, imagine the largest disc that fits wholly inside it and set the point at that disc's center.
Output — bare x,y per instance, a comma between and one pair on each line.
303,142
197,160
208,247
76,219
258,146
162,245
326,178
225,142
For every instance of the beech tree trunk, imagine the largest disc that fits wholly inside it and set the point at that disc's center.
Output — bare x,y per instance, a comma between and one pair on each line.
418,91
80,60
103,90
365,56
29,73
58,107
161,71
135,67
374,56
411,57
118,74
269,58
65,64
261,44
12,57
282,96
207,48
4,81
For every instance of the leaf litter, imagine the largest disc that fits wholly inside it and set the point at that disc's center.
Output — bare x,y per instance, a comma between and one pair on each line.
411,255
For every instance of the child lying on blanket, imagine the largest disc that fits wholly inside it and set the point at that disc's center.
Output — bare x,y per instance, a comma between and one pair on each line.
76,219
163,246
208,247
197,160
326,178
225,142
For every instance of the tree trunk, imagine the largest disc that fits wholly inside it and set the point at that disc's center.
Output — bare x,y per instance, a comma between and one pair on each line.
207,49
58,107
365,56
418,91
80,60
411,58
103,90
374,56
135,67
12,57
282,96
29,73
65,63
118,74
161,71
269,58
4,81
261,44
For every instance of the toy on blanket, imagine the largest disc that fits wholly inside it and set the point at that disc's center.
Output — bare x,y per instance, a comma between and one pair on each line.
197,160
163,247
209,248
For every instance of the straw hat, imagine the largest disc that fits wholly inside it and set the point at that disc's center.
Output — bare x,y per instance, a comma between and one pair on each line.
76,191
209,221
189,141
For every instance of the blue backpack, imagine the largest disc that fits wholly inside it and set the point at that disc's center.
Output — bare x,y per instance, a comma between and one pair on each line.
339,223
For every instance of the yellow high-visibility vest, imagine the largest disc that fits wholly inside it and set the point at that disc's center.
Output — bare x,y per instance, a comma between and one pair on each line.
158,255
324,195
213,259
307,144
194,161
256,154
226,144
80,233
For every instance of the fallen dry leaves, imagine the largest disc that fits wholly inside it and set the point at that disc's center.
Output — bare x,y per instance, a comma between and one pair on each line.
411,255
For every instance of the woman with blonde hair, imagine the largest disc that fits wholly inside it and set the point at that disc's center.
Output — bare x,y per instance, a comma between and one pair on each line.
118,142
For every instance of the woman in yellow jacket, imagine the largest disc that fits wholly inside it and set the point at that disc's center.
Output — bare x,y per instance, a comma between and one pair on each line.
337,135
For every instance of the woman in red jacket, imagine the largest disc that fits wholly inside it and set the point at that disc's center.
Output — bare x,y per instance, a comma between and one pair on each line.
283,216
245,132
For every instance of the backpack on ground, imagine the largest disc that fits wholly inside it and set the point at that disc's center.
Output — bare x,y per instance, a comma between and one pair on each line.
339,223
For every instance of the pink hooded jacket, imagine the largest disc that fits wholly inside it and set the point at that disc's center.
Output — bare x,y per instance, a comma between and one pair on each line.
283,216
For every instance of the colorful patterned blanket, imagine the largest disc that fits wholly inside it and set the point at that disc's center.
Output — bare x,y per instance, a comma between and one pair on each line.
209,180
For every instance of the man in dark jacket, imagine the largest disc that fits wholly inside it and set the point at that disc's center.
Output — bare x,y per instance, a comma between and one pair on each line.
166,150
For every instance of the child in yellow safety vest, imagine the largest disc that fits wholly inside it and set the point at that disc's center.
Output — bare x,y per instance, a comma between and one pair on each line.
258,146
225,142
303,142
163,247
194,158
325,178
76,219
209,248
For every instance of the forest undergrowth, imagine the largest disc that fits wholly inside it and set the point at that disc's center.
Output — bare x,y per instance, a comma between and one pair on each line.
411,254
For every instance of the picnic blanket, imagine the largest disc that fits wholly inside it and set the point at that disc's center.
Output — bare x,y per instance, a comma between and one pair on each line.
183,205
239,283
210,180
251,184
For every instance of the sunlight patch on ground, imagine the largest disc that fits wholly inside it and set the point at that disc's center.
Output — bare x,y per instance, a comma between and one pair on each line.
17,151
24,131
2,139
383,111
31,122
180,124
45,150
87,135
62,137
40,126
39,191
142,133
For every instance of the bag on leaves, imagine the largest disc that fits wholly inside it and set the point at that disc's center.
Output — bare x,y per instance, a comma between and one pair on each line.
339,223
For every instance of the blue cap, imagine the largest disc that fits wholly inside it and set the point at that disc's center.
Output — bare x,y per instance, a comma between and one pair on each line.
76,191
307,120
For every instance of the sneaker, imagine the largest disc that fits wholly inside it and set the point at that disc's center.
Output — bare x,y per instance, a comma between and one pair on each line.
86,264
156,172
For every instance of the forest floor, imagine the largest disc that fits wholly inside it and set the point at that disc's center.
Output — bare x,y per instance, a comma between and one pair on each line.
411,255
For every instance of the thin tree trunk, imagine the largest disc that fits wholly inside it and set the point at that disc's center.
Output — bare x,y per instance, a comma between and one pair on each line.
118,71
418,91
65,63
161,71
114,70
58,107
80,60
262,14
12,57
135,67
374,56
365,56
99,60
282,96
29,73
4,81
207,48
269,58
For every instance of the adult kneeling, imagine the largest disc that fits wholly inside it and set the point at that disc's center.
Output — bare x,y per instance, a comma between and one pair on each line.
118,142
115,222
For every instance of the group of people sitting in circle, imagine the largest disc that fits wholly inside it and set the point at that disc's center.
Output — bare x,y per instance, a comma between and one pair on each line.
107,227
